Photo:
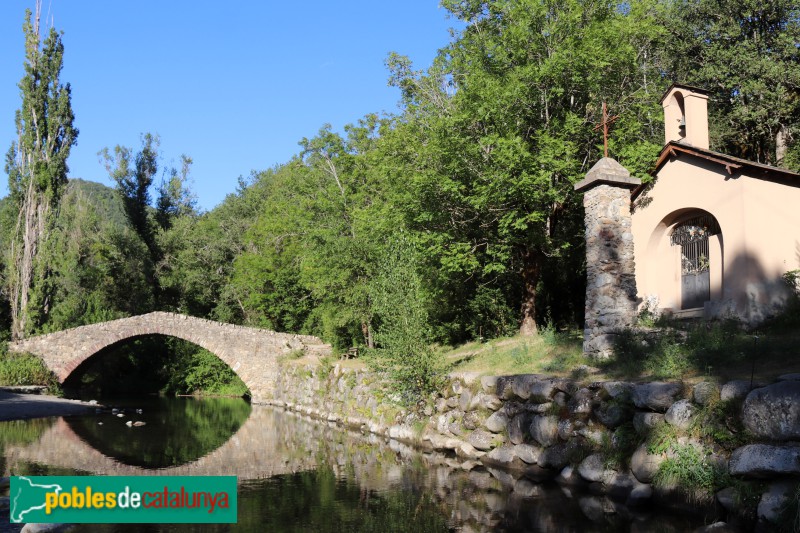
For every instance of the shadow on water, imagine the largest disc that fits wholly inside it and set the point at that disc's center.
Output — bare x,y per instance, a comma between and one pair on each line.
176,431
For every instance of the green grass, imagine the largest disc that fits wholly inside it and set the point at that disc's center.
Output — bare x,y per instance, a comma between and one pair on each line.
695,351
721,350
691,469
692,351
549,352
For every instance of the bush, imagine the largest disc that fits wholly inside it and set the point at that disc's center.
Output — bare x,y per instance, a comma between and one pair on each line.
26,369
792,279
203,372
663,357
661,438
718,423
618,448
489,315
403,332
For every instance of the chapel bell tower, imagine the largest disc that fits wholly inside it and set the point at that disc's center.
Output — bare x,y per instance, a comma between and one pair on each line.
686,115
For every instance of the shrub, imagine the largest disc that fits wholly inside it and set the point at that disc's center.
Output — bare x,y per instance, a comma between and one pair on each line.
619,447
718,423
26,369
792,279
489,315
204,372
661,438
672,362
664,357
403,332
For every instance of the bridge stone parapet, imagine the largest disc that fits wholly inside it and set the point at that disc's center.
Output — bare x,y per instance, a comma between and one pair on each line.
251,352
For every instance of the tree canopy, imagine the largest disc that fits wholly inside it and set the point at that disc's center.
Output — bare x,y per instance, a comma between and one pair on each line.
454,218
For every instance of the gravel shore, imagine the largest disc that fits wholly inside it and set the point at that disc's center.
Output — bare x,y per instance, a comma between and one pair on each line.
15,406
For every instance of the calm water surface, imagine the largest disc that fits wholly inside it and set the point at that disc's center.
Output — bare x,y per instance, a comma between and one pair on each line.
297,474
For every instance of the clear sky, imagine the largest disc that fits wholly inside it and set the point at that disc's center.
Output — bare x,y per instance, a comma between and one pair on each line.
234,85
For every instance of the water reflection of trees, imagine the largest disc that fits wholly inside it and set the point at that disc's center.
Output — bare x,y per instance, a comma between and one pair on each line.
20,433
319,500
177,430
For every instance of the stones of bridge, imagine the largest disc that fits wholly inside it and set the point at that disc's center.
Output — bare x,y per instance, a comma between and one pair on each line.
251,352
610,268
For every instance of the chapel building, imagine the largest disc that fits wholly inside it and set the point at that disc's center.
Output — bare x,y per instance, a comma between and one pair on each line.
713,234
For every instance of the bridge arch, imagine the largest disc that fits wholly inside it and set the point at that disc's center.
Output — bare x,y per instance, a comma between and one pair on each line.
251,352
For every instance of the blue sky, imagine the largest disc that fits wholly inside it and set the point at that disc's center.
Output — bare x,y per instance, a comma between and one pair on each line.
234,85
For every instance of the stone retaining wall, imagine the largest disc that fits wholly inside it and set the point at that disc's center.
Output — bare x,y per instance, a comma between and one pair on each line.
610,438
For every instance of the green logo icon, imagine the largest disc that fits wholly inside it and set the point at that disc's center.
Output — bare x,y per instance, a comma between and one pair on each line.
123,499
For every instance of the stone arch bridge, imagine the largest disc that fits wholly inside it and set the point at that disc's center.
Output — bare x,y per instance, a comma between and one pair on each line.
251,352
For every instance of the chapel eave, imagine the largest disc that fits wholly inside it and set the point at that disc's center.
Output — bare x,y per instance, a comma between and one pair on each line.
732,165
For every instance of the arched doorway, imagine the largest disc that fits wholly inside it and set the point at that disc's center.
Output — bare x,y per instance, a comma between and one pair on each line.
681,267
693,237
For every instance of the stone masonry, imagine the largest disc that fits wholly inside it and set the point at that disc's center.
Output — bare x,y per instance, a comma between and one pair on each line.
251,352
610,279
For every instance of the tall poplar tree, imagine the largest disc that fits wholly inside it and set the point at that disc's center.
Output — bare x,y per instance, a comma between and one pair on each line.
37,169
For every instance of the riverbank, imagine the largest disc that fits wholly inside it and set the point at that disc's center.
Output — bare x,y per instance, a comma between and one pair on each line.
20,406
725,450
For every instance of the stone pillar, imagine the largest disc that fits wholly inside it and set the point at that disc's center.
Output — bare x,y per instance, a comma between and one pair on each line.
610,274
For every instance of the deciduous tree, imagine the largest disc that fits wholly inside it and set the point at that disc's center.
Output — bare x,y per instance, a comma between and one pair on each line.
501,129
745,52
36,165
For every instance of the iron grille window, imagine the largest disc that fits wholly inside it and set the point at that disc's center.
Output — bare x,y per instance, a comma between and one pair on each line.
692,236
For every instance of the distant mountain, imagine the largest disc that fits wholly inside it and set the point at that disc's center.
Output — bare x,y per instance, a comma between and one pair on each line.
105,200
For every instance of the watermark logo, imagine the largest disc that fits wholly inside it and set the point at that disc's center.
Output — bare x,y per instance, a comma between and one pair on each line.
123,499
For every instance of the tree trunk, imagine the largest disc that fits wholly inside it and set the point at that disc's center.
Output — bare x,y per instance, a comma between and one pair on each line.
366,330
531,270
30,233
781,145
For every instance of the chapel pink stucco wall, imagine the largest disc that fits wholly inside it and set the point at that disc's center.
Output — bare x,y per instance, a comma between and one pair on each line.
759,241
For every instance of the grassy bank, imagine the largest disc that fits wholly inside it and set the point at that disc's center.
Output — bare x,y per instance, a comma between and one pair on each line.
720,350
691,351
549,352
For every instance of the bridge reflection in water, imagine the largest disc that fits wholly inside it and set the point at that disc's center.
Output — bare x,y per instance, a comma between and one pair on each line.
260,448
315,476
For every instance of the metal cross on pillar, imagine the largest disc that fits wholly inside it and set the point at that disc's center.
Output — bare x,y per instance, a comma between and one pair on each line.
607,121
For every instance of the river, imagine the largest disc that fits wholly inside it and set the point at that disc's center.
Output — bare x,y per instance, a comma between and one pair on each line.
298,474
